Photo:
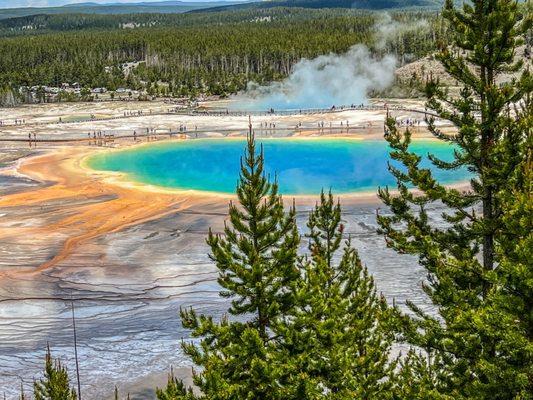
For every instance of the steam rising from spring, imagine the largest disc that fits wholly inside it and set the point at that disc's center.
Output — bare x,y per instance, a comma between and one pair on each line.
323,82
331,79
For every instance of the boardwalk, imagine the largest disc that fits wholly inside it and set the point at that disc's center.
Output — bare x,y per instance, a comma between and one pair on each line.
222,113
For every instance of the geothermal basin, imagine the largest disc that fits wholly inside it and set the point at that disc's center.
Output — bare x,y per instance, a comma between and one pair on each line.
121,231
302,166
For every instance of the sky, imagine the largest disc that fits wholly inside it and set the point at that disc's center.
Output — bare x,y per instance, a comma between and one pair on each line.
53,3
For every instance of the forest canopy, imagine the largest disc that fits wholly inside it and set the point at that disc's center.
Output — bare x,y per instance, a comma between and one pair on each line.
187,54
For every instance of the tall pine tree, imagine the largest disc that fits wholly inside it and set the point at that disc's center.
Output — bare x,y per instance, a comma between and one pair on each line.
336,342
256,259
509,311
461,257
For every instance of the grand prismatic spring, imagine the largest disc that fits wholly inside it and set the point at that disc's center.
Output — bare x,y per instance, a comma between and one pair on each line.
302,166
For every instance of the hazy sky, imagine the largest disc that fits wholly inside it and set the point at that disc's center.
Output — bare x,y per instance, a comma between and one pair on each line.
47,3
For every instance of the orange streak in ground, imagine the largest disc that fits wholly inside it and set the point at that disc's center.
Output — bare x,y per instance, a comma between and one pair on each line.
122,208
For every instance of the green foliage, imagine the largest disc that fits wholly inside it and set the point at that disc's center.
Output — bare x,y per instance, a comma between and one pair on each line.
175,390
509,312
256,259
257,255
55,384
346,4
336,340
310,327
478,352
417,379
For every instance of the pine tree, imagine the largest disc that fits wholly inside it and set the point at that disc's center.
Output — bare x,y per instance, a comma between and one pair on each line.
175,389
415,381
509,310
461,258
55,385
336,343
256,259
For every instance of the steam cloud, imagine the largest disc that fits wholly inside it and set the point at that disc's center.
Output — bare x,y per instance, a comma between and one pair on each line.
387,29
323,82
331,79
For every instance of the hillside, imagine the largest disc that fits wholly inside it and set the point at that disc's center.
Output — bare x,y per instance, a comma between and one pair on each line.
172,6
47,23
163,7
427,67
355,4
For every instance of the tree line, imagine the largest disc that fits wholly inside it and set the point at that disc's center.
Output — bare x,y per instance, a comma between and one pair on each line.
46,23
215,53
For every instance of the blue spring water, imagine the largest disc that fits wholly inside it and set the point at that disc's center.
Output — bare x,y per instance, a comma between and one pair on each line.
302,166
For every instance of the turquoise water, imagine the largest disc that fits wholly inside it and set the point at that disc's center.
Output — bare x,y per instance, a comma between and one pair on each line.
302,166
